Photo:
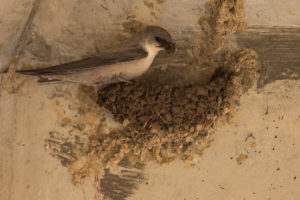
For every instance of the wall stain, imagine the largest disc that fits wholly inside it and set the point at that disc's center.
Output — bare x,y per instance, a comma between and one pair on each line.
119,187
65,147
278,49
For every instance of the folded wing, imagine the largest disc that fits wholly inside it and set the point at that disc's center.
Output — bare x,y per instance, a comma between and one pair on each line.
89,63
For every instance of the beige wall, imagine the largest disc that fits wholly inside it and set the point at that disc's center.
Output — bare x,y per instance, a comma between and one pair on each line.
49,32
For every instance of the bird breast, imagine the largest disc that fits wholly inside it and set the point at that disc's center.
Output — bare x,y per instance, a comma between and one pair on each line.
133,69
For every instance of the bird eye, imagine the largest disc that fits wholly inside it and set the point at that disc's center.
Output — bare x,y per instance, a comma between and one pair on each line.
158,39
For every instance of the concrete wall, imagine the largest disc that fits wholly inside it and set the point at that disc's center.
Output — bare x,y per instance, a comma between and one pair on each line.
38,33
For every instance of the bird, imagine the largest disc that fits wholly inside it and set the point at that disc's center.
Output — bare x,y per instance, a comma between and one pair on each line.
123,64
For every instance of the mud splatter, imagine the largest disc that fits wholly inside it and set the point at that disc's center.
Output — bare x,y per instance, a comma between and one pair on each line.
67,148
79,116
9,82
123,184
149,4
132,26
221,20
241,159
160,1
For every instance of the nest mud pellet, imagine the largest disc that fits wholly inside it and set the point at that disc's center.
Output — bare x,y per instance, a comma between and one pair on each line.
162,107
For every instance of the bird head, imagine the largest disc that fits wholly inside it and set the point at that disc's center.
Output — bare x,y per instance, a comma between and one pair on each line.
157,38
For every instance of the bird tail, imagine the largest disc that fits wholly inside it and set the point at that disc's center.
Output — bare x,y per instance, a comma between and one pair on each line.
39,74
47,80
32,72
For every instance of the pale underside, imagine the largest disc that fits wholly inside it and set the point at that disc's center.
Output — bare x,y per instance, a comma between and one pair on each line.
107,74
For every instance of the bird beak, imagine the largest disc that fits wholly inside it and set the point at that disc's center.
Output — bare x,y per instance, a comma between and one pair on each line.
168,46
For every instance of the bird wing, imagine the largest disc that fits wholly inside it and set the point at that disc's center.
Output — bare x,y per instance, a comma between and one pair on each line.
90,62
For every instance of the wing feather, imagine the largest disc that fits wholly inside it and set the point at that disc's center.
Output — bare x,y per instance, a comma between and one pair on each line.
89,63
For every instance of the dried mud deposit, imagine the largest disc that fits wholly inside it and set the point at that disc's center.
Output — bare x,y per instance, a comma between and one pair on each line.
163,122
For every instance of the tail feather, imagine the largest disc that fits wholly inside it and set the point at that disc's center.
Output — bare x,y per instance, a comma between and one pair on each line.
40,73
46,80
33,72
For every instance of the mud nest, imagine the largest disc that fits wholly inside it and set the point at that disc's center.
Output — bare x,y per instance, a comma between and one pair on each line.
162,122
151,108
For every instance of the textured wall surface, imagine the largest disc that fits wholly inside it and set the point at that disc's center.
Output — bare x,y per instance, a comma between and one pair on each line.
254,157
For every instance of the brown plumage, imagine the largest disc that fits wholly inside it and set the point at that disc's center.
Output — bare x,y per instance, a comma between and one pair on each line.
127,62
